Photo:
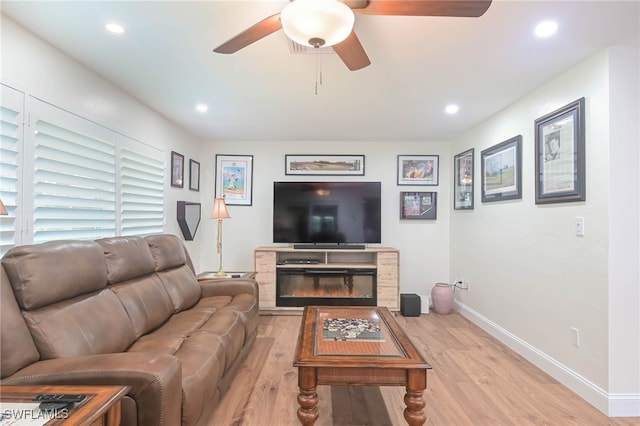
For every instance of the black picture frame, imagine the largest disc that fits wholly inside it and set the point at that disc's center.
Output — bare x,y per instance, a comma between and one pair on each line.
501,171
560,155
194,175
234,179
177,170
463,177
324,165
423,170
419,205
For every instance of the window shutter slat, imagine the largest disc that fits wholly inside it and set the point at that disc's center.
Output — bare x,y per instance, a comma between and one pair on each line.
74,183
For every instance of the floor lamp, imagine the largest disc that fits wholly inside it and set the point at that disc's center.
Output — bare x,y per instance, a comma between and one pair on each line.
220,212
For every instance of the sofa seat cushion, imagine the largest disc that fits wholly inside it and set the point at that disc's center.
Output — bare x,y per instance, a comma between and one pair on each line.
213,303
202,359
86,325
203,364
227,326
181,324
246,305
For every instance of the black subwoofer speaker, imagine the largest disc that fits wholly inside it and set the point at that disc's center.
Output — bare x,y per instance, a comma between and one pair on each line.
410,305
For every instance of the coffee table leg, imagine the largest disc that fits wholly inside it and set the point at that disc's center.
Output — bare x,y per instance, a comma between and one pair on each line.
307,398
416,384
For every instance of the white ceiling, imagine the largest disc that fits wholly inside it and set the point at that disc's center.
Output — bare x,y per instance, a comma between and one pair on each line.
263,92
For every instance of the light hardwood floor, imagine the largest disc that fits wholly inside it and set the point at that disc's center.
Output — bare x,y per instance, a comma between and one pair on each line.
475,380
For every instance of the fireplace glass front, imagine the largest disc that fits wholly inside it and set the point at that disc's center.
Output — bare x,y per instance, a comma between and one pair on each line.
326,286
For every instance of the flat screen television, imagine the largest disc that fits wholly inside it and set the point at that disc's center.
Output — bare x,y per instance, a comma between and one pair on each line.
327,213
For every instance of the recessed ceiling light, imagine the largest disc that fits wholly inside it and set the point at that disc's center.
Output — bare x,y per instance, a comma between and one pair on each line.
114,28
452,109
202,108
546,29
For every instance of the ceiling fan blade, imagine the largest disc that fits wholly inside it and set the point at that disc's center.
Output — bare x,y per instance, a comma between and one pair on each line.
463,8
352,53
251,35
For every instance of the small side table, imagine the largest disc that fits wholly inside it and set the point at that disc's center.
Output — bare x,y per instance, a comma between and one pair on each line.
211,275
101,406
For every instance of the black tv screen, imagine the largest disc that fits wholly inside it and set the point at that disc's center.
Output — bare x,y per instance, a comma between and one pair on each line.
326,212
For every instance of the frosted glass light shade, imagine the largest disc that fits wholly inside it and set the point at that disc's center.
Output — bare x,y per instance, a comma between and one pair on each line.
317,23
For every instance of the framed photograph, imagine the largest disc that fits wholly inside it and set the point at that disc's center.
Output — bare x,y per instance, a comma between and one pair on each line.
194,175
234,179
418,205
560,155
463,180
177,170
418,170
502,171
325,165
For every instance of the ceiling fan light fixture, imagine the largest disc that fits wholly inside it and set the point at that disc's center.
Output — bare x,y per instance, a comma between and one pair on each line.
317,23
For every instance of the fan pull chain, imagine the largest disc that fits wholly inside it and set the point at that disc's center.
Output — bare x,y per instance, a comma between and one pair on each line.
318,70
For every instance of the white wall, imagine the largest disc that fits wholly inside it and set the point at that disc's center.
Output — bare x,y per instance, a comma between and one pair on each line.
423,244
624,231
532,278
33,66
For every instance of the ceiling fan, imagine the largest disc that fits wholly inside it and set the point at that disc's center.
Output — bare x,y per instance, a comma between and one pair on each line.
318,23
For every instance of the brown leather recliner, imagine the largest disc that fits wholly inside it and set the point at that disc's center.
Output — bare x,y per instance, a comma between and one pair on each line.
128,311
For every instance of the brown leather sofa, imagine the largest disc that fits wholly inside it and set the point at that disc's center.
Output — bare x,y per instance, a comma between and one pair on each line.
129,311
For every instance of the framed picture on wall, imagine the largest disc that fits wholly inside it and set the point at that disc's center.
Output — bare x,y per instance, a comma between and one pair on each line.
418,205
177,170
502,171
560,156
324,165
418,170
234,179
194,175
463,180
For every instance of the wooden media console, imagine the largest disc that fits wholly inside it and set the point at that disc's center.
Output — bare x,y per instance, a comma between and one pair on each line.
383,261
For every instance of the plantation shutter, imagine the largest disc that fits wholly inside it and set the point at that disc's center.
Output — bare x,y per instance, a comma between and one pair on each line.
142,190
74,193
11,146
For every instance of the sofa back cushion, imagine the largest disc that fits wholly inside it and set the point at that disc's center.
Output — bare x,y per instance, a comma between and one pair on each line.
17,349
126,258
86,325
132,277
174,268
46,273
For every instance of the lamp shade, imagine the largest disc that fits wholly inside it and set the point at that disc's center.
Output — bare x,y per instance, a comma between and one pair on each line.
220,209
317,23
3,209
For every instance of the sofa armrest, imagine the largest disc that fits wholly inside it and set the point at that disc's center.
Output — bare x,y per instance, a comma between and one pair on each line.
155,380
228,287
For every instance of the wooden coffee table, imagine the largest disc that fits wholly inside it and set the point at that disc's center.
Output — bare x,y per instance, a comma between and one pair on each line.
357,346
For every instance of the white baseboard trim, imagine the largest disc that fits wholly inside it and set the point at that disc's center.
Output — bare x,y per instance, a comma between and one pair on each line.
612,405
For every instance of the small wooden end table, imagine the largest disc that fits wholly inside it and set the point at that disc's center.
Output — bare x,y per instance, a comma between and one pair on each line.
102,405
357,346
211,275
